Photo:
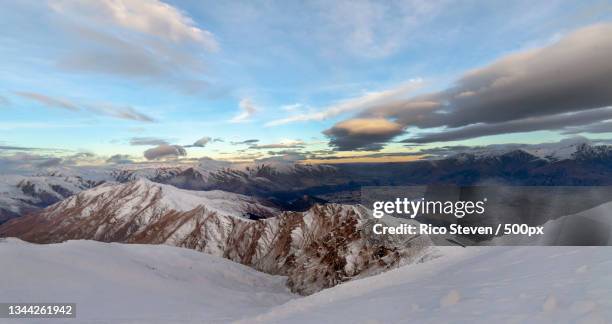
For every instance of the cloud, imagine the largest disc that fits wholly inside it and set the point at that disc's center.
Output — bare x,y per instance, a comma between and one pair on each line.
350,158
247,109
121,112
18,148
30,163
281,145
81,158
563,122
595,128
145,40
150,17
571,75
120,159
283,152
23,163
391,98
202,141
136,141
291,107
539,89
372,29
288,158
245,142
48,101
164,151
51,162
367,134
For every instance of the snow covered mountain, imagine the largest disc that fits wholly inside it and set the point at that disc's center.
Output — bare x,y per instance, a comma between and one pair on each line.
316,249
22,194
255,179
569,149
157,174
111,212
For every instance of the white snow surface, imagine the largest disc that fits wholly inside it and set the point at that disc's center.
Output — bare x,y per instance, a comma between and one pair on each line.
470,285
160,284
133,283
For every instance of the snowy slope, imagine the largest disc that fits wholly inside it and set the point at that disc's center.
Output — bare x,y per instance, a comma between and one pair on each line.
135,283
160,284
471,285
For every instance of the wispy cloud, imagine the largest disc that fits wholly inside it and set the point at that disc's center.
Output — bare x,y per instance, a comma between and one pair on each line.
29,162
121,112
150,17
281,145
48,101
152,141
247,110
202,142
120,159
145,40
245,142
372,29
18,148
391,97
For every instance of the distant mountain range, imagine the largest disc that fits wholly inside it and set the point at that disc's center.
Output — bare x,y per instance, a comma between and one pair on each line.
297,187
20,195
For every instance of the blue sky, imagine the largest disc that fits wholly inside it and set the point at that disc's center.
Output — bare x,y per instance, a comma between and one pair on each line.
96,76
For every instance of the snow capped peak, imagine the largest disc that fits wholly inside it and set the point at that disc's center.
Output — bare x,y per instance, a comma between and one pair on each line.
566,149
148,195
150,172
561,150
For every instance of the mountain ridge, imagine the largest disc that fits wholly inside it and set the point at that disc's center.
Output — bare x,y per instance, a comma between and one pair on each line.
316,249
